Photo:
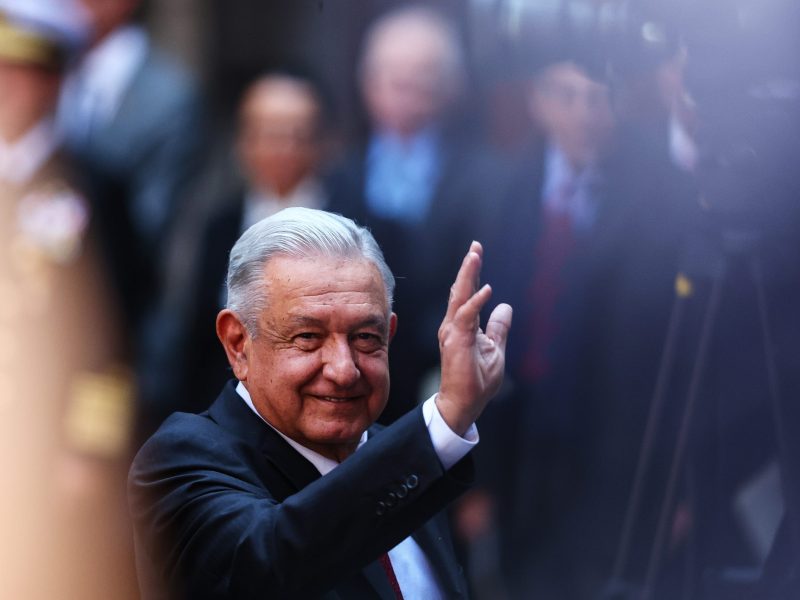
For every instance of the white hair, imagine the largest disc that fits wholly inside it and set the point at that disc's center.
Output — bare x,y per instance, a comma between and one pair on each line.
299,233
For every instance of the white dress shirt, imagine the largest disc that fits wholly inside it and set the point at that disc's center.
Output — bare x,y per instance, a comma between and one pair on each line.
402,175
570,192
411,567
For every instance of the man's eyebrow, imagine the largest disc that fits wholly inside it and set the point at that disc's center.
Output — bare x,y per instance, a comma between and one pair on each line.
303,321
376,321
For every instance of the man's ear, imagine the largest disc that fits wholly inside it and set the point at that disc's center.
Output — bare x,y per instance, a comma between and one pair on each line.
236,341
392,326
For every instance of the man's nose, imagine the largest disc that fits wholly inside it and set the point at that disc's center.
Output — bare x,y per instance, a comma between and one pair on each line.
339,363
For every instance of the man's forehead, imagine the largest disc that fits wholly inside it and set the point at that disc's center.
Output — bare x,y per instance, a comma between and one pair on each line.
279,96
324,274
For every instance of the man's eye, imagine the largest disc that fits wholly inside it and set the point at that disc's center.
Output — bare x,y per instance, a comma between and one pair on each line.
368,342
307,340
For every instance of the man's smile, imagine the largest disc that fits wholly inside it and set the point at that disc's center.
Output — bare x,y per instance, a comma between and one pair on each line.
338,399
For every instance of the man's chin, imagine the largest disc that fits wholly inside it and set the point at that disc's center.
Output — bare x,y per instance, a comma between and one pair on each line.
336,446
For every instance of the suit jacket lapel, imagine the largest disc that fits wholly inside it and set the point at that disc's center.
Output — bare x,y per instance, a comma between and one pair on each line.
290,472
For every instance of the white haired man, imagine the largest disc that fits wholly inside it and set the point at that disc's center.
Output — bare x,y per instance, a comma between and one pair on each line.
283,488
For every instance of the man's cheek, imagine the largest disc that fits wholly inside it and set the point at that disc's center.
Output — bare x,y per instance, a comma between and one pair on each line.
374,365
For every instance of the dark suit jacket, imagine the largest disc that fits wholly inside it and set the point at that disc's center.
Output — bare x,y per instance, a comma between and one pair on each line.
138,167
513,230
579,429
223,507
547,423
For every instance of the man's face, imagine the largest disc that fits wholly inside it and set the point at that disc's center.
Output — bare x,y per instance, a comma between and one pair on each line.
278,143
318,368
404,85
574,111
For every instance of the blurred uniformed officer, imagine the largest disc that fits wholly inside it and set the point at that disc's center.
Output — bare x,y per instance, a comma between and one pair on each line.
65,398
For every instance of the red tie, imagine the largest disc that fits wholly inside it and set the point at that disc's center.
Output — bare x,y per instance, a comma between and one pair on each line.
554,248
387,566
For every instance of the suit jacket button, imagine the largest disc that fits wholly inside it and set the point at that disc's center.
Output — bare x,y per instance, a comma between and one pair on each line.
402,491
412,481
391,499
381,509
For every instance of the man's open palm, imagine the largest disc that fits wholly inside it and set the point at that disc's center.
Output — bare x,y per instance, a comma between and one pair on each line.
473,361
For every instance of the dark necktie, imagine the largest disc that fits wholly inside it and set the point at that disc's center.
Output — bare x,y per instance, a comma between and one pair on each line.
552,252
387,566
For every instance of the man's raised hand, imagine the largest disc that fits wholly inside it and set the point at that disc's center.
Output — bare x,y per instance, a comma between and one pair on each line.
473,361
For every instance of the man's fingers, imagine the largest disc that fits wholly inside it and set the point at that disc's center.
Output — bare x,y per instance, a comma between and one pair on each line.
468,314
466,281
499,325
477,248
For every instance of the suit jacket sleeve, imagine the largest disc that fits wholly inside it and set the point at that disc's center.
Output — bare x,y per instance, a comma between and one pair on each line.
204,510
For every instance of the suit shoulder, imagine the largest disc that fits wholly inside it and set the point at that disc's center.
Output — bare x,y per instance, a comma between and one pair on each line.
167,97
186,437
172,80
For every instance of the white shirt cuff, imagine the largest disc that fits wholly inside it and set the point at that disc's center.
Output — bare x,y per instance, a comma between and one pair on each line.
449,447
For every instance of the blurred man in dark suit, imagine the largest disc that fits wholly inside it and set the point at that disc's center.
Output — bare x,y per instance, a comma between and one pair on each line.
279,146
553,236
587,239
418,182
134,119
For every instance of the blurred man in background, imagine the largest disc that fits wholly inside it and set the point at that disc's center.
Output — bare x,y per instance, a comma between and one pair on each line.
593,255
280,145
133,119
417,183
553,236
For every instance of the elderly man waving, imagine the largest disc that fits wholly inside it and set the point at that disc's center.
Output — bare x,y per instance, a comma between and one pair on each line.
283,488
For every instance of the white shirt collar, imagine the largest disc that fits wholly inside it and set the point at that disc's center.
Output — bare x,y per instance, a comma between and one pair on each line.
323,464
260,204
568,191
19,161
557,172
